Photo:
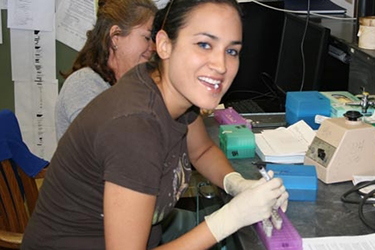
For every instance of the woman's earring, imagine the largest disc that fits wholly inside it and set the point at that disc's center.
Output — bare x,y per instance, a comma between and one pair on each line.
115,47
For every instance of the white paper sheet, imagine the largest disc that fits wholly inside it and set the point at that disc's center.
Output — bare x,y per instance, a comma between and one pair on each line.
161,3
31,14
360,178
362,242
73,20
290,141
35,110
3,4
284,145
33,59
33,54
267,154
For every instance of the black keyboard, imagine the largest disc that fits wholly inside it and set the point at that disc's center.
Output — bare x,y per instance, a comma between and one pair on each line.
244,106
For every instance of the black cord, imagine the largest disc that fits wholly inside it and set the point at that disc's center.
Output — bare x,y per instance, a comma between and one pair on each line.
366,200
278,93
363,202
356,190
268,81
302,46
257,94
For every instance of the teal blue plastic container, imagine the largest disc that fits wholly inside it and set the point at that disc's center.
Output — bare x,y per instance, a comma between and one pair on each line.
237,141
300,181
305,105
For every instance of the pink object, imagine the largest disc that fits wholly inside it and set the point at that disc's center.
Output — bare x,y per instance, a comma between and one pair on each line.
287,238
229,116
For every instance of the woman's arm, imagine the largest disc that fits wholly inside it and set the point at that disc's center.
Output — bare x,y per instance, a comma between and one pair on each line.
212,163
128,217
206,157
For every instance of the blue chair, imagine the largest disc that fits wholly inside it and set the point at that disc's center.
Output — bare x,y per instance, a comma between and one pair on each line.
18,190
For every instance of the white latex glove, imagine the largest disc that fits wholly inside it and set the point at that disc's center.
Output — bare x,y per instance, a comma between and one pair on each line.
248,207
234,183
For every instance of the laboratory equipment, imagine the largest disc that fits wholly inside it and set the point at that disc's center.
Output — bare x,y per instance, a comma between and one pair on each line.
365,103
343,147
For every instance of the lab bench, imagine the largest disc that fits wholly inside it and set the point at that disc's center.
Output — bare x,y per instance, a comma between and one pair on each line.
327,216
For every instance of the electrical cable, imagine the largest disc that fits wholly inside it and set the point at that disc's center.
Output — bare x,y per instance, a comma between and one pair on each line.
259,94
309,13
268,81
367,199
357,189
303,37
302,46
363,202
271,85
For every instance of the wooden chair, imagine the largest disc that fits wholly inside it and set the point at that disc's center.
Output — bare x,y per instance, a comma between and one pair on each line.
16,204
18,190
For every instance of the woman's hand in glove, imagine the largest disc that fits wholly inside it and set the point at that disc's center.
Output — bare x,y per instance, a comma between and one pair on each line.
246,208
234,183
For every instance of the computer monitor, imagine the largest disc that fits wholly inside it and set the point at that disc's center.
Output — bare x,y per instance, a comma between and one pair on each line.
292,62
262,29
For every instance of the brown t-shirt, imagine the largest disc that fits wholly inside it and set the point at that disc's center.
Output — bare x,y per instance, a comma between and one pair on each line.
125,136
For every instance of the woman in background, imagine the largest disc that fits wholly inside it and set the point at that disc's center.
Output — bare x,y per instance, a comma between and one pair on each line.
126,159
120,39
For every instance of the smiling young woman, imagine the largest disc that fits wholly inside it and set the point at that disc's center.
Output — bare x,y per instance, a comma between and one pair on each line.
126,159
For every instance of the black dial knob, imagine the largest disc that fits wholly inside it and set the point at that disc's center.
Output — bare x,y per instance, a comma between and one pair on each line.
321,154
352,115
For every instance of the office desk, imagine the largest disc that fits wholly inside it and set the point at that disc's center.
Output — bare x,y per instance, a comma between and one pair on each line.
327,216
